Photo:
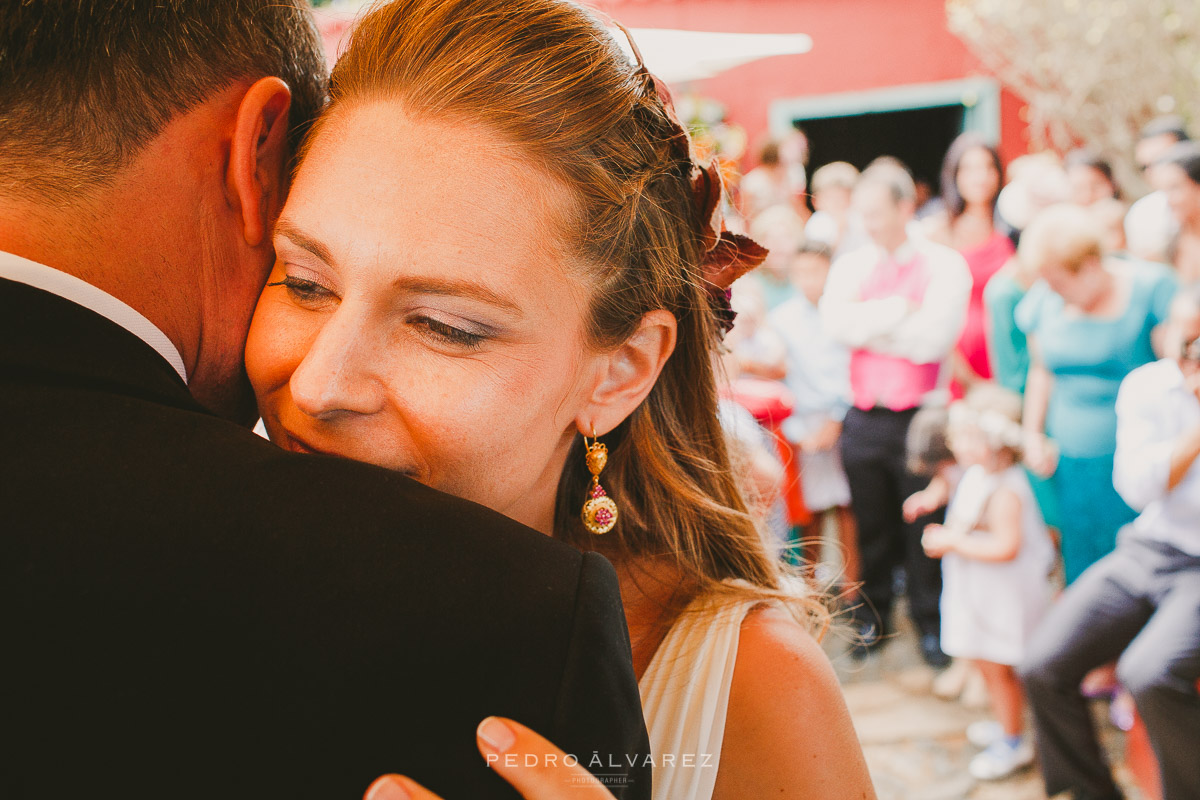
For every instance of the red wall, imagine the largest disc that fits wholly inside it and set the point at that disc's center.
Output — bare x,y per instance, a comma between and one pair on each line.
857,45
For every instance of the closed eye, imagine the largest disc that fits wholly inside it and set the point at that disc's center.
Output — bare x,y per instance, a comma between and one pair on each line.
448,334
305,292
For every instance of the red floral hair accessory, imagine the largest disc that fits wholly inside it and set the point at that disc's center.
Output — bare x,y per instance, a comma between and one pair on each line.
725,256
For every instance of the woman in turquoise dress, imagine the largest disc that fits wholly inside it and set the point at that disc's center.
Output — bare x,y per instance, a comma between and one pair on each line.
1090,321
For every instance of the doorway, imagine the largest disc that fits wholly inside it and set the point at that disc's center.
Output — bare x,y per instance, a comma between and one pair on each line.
914,123
919,137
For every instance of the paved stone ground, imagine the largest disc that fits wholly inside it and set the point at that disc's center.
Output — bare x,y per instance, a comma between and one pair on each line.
915,743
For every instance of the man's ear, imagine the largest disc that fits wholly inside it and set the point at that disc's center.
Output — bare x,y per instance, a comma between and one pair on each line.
258,155
626,375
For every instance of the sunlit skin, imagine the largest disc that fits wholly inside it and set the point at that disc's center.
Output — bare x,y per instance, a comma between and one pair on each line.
432,324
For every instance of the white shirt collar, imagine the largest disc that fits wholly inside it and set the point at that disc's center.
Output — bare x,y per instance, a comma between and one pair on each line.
901,255
80,292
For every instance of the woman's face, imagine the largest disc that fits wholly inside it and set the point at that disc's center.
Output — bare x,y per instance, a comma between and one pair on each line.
977,179
1080,287
1088,185
421,314
1183,196
968,444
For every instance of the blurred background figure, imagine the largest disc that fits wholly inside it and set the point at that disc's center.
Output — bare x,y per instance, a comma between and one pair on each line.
971,179
1148,225
1141,603
997,556
1090,321
928,203
1178,173
833,222
1109,214
898,305
1090,176
781,230
780,177
818,376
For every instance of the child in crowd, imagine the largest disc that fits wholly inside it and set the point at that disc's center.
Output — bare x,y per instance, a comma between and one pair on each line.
818,375
833,222
996,559
781,230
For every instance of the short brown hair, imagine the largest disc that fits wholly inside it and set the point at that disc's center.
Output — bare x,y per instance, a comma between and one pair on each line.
86,84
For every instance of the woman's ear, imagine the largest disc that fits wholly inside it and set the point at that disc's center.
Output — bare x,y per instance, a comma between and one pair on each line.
627,374
258,155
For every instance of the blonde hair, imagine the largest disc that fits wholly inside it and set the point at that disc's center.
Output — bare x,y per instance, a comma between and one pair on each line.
777,218
993,411
547,76
1064,233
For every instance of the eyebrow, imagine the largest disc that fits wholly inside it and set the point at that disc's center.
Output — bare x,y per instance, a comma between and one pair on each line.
413,284
457,288
304,241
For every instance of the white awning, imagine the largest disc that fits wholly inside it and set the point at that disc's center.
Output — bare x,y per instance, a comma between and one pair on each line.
680,56
675,56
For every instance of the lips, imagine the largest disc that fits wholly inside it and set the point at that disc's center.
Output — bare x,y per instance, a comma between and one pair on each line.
295,444
298,445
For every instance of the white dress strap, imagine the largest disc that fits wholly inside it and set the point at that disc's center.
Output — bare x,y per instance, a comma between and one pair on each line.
685,696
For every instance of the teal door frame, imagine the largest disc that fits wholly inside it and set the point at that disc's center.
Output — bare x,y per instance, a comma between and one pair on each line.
979,97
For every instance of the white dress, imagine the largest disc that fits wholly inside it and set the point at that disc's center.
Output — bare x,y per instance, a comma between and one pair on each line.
990,608
685,696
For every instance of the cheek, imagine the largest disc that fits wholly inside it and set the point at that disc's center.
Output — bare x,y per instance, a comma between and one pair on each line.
279,338
487,428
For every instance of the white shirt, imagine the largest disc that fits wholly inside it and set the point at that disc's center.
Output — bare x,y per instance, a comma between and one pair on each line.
68,287
1149,227
924,335
1154,408
818,368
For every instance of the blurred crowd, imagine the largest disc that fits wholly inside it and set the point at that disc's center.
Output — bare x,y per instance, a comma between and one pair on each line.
987,397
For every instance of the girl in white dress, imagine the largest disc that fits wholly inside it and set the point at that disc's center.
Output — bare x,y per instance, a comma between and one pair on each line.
996,559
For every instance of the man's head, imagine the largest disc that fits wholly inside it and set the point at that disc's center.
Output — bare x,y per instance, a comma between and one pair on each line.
832,186
86,84
885,198
144,147
1159,135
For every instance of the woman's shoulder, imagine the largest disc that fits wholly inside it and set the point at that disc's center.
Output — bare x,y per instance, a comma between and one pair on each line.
771,636
780,668
1154,285
782,675
1034,306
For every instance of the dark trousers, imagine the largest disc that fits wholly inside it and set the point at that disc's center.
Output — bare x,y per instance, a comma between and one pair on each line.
1142,603
873,455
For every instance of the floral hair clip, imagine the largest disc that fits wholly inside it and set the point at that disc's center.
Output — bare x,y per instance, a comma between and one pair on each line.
725,256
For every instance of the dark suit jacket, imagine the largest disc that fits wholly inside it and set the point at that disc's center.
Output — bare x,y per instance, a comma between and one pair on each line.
196,613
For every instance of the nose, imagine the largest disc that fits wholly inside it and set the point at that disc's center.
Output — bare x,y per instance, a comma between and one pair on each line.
338,376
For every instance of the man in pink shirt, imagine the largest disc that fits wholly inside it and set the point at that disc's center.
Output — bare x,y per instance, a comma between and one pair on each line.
898,304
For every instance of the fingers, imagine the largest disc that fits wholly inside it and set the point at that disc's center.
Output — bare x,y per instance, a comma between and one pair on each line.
397,787
535,767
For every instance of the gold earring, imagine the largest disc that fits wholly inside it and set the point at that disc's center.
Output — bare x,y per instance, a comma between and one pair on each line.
599,510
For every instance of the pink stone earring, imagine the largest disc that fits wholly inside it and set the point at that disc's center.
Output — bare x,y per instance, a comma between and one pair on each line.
599,510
